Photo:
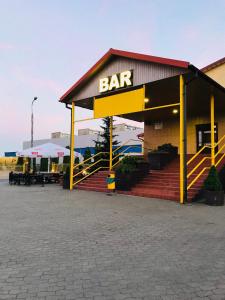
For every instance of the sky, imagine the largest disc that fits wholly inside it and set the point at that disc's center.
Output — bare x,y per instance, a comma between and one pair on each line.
47,45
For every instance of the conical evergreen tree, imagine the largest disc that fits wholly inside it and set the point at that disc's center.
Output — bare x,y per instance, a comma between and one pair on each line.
103,144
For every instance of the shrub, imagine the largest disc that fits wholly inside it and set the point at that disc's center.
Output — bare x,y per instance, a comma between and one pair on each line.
167,148
127,165
87,154
212,182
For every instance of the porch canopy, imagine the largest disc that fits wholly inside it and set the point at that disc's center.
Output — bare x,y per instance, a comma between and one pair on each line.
147,89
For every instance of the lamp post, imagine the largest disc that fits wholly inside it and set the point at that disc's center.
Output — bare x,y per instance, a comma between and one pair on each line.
32,129
32,123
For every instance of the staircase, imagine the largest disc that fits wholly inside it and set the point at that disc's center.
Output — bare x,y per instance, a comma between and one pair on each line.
162,184
96,182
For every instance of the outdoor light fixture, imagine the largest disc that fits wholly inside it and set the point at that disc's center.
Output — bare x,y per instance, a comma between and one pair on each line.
146,100
175,111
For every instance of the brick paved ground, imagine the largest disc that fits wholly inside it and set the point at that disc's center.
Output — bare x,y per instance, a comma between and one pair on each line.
82,245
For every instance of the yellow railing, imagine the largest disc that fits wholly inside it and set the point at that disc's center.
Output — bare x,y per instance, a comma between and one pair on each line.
90,166
200,151
90,158
124,144
202,160
121,153
84,170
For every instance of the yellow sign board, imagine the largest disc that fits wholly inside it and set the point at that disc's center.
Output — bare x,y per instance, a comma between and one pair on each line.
119,104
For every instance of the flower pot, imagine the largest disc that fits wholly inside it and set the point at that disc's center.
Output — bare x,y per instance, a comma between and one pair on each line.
124,181
157,160
66,181
214,198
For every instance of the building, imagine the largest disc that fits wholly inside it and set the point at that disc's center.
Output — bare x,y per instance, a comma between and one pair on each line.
59,135
87,131
178,103
86,139
216,71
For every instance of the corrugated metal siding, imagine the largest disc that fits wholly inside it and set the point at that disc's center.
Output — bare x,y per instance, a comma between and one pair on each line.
83,141
143,72
132,149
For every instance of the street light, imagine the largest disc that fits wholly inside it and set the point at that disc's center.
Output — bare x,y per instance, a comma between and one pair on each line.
32,123
32,130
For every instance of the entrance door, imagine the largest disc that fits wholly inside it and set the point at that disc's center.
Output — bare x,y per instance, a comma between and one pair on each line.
203,134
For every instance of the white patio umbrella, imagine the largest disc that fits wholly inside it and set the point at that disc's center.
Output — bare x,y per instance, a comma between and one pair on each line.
47,150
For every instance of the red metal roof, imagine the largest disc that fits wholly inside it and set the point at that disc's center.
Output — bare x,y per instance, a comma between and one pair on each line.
214,65
132,55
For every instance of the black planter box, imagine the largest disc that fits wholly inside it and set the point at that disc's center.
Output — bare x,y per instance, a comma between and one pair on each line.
157,160
124,181
214,198
66,181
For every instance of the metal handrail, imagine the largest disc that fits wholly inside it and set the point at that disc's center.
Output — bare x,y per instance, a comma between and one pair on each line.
196,178
220,160
88,167
121,153
204,147
207,157
91,157
198,165
89,175
124,144
218,152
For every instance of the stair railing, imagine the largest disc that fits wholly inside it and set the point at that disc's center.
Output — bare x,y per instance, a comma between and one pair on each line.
84,170
101,160
122,154
204,159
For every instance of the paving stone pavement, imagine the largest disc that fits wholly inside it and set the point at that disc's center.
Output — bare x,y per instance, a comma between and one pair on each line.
56,244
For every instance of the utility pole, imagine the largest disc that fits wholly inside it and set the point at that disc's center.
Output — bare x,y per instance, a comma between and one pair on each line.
32,130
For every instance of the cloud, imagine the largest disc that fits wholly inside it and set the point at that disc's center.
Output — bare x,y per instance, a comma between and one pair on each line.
36,82
6,46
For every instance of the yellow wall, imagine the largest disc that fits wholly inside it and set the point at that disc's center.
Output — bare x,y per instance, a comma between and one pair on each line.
170,133
8,161
218,74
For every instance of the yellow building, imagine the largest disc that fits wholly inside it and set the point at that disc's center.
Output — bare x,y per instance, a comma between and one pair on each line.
216,71
179,105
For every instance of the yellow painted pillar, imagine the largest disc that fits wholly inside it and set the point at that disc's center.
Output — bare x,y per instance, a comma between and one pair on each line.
181,139
72,145
212,121
110,143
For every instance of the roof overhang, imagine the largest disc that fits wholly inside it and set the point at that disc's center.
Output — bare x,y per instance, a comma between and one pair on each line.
161,92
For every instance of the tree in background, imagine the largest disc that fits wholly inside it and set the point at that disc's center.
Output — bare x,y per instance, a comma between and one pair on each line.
87,153
103,144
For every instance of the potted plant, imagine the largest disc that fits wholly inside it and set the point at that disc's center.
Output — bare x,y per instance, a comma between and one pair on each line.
213,190
161,156
124,173
66,179
129,171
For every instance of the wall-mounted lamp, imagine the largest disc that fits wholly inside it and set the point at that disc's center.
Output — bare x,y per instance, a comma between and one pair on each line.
146,100
175,111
